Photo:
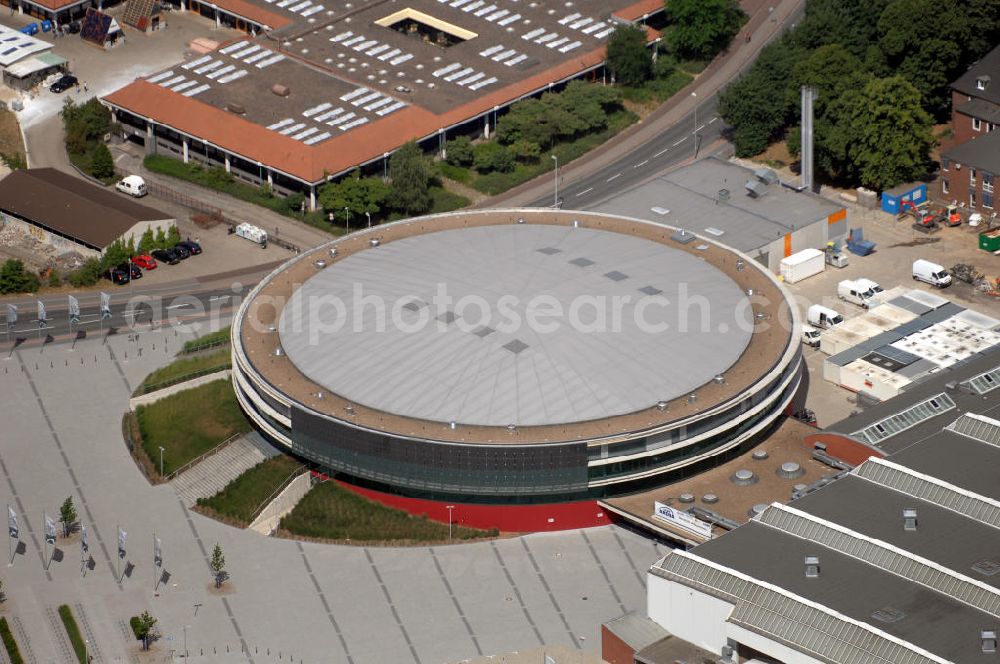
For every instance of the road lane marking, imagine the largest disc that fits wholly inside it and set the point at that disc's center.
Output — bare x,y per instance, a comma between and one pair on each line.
680,141
617,175
712,120
641,164
179,306
585,191
700,128
660,152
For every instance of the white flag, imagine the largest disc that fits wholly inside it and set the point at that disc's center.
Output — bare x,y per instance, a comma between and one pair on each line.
105,306
157,552
12,522
84,543
41,313
50,530
122,535
11,315
74,309
549,660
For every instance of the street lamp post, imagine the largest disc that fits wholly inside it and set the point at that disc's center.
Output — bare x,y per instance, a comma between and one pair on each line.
555,195
348,211
161,462
695,132
450,508
186,641
368,214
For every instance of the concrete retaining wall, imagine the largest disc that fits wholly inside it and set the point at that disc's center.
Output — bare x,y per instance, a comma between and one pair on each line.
151,397
283,503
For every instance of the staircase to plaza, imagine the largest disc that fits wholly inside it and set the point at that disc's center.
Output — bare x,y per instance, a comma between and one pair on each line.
210,475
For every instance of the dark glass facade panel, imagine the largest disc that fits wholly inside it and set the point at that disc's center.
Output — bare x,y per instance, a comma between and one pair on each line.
452,468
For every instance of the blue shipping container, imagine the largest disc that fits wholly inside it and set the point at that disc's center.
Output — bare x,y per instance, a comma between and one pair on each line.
894,198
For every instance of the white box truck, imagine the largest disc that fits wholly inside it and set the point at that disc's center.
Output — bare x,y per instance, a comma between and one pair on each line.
802,265
823,317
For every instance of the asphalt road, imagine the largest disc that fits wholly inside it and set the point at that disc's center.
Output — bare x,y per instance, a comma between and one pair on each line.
677,143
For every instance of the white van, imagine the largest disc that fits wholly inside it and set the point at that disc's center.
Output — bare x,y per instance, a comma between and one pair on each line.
133,185
931,273
856,292
823,317
810,336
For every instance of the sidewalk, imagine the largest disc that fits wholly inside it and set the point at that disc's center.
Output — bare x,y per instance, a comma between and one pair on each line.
765,22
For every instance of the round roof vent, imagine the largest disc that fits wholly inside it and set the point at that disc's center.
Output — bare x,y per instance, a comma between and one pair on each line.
320,264
710,499
790,470
279,351
374,242
686,498
760,455
743,477
661,405
800,487
756,510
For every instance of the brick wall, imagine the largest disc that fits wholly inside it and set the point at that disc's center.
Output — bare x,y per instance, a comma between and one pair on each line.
614,650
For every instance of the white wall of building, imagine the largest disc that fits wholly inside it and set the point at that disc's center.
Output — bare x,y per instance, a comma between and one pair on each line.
688,614
768,647
140,228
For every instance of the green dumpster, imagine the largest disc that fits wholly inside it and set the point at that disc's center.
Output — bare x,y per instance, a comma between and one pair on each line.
990,240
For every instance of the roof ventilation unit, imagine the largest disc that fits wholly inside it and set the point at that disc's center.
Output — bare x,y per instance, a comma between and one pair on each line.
686,498
350,410
238,109
692,398
452,425
719,379
766,175
790,470
756,510
682,236
740,265
743,477
374,242
333,252
576,223
710,499
723,195
760,455
319,264
511,428
812,567
280,90
909,518
661,405
756,189
278,352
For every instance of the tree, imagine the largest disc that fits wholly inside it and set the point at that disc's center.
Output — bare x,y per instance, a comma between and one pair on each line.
411,175
218,566
54,280
491,156
888,133
67,516
702,28
628,59
756,105
147,242
161,238
525,151
84,123
15,161
173,235
459,151
102,164
144,628
358,194
87,274
14,278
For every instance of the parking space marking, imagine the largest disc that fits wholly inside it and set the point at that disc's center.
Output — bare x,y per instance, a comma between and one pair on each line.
392,607
600,565
454,600
628,556
517,593
545,585
326,605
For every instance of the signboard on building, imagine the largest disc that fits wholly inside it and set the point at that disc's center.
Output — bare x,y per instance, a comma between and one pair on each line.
682,520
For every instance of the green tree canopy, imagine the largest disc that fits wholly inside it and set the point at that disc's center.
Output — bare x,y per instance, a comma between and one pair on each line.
67,515
218,565
702,28
14,278
492,156
356,193
411,174
888,133
102,164
628,59
459,151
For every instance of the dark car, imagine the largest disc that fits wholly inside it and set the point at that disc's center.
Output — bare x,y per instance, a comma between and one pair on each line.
118,276
132,269
191,246
65,82
182,252
168,256
73,28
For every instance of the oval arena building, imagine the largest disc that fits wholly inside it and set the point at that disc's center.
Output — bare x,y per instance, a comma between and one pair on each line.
520,356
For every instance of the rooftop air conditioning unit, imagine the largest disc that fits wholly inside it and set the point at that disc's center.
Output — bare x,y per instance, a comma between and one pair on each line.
756,188
280,90
238,109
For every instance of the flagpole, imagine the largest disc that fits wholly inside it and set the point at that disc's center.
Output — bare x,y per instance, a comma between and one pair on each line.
45,521
10,539
154,561
118,555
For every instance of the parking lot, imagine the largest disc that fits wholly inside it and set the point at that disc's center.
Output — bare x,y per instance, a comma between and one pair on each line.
890,265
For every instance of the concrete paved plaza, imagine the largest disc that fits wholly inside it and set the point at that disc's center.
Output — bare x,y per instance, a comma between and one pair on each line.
287,601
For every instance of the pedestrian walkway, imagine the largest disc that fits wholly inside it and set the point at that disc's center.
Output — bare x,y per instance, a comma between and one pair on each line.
211,475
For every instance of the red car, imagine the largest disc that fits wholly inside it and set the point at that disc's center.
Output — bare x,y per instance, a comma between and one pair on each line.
145,261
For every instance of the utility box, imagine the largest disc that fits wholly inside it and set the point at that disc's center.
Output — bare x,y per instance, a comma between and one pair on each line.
252,233
990,240
802,265
892,199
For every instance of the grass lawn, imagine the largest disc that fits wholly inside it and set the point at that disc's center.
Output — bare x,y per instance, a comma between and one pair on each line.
190,423
242,497
331,512
185,368
9,643
10,134
210,339
658,89
69,622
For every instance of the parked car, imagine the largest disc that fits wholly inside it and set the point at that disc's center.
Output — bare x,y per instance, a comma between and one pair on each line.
132,268
168,256
810,336
931,273
182,251
64,83
73,28
118,276
191,246
145,261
